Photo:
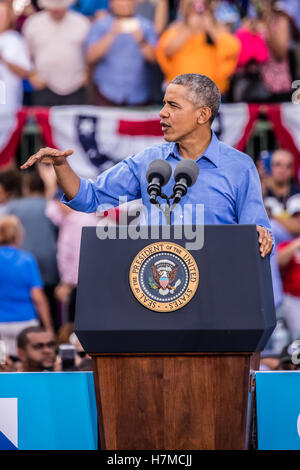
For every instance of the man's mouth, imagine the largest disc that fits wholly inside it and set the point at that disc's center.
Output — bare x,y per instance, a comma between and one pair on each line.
164,125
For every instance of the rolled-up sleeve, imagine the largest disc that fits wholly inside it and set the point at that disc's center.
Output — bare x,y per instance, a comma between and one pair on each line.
118,181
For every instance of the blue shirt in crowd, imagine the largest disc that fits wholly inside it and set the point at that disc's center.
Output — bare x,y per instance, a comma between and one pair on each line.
89,7
122,76
19,273
228,186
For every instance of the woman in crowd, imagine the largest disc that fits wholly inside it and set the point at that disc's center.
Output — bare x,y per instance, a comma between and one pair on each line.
22,300
275,29
14,59
197,43
263,73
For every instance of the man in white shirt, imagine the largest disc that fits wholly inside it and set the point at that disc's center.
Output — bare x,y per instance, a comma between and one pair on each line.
14,61
55,38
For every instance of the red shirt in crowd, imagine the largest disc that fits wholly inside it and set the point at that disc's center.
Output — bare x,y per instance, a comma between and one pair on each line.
291,273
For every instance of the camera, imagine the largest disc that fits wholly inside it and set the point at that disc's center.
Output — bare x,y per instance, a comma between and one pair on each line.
67,354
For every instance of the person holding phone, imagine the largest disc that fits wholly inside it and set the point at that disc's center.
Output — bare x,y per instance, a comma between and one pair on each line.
119,47
197,43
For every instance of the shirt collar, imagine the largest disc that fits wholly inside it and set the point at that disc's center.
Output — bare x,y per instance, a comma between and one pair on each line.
211,153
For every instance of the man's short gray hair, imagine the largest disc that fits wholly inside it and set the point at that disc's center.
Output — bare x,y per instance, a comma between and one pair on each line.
202,91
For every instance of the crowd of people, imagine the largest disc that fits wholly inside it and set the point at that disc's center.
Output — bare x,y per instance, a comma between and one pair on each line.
118,53
125,52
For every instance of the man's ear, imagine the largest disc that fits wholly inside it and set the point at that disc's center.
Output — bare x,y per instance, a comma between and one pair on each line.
203,115
21,354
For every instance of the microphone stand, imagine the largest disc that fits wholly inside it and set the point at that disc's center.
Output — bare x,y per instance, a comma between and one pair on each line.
167,212
185,175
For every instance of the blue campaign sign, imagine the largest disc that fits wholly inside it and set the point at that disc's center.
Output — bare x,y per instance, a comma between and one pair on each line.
48,411
278,410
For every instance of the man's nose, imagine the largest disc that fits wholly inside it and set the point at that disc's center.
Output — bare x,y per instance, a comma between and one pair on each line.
163,112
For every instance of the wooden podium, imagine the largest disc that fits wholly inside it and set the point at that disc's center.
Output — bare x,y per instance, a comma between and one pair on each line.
179,380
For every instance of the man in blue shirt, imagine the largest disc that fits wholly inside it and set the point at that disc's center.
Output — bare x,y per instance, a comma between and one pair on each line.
120,46
228,184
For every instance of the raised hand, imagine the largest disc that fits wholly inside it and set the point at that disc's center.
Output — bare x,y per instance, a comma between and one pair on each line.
48,155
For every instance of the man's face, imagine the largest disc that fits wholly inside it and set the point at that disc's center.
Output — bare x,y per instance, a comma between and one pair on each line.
57,14
122,8
40,352
178,115
282,167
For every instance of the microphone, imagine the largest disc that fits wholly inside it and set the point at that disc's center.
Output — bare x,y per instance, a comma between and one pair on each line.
158,174
185,175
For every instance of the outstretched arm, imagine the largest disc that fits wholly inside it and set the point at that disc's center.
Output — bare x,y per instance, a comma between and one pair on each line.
85,195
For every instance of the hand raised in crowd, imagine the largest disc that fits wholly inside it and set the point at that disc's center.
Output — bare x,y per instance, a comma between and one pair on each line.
296,244
36,82
48,175
116,28
62,292
194,23
48,155
138,35
7,366
100,14
208,22
266,10
265,241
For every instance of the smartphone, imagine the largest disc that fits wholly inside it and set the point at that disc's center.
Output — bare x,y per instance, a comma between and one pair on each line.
129,25
67,354
265,157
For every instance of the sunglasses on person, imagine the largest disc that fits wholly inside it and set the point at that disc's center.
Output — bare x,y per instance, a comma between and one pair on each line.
40,346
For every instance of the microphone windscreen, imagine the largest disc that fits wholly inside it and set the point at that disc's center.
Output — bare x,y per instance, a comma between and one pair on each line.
187,169
159,169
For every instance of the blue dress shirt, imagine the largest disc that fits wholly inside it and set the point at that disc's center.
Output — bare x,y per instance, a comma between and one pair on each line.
228,186
122,75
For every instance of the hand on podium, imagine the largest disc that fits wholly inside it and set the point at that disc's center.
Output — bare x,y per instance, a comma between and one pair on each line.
265,241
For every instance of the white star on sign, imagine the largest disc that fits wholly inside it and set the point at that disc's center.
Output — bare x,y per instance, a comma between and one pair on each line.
86,126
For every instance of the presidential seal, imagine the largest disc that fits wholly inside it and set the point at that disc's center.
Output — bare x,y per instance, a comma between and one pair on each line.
164,277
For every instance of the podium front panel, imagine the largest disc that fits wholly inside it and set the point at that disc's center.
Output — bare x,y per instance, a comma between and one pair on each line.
232,309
